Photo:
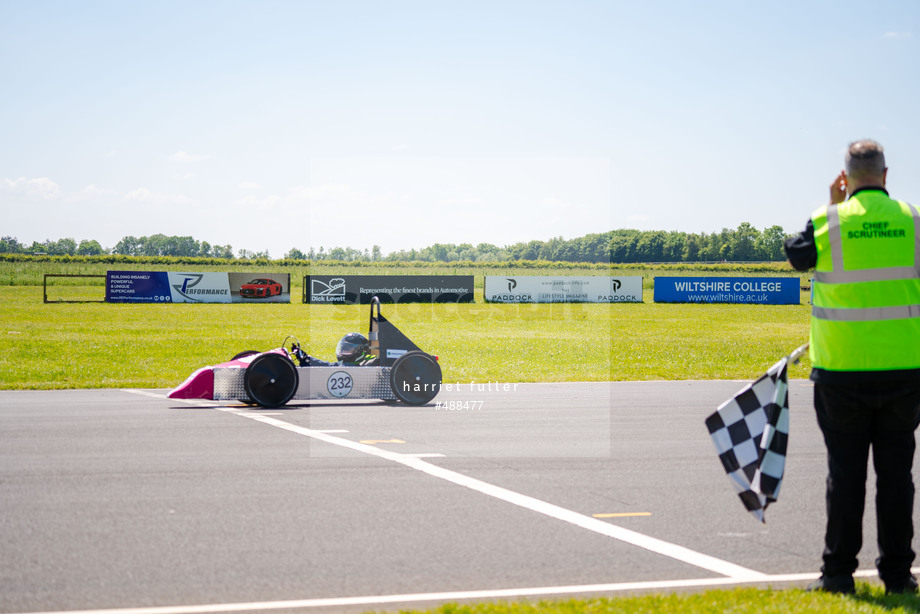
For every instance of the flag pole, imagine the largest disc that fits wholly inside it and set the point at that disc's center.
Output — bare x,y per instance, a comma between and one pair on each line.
798,353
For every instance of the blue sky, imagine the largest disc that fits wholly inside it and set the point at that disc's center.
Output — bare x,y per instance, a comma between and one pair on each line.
271,125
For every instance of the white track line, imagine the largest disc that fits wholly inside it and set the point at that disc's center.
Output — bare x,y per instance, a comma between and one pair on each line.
739,575
685,555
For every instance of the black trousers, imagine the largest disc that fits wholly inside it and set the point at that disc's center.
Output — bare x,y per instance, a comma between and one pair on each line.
853,418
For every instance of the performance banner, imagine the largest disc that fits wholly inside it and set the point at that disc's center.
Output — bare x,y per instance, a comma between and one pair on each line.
562,289
360,289
172,287
757,290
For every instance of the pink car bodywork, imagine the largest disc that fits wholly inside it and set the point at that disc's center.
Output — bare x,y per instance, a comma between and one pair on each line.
200,384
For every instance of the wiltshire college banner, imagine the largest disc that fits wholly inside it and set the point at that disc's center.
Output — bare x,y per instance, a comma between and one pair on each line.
759,290
360,289
171,287
563,289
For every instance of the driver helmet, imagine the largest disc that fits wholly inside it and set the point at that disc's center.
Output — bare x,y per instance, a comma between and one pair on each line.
352,348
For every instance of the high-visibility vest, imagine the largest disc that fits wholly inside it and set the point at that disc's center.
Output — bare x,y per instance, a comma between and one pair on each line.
866,303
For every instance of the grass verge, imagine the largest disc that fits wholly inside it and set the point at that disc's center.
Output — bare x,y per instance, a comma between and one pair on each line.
102,345
869,598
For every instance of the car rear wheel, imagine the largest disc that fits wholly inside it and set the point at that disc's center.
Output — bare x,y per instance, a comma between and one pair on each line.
415,378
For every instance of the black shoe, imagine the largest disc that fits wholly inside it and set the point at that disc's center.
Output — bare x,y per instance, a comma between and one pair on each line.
834,584
906,586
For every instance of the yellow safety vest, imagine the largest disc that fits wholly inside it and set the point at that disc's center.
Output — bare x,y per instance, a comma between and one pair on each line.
866,306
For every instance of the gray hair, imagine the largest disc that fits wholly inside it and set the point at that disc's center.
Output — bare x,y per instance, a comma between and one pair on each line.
865,159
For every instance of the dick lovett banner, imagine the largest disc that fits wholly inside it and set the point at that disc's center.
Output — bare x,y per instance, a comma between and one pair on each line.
758,290
173,287
361,289
562,289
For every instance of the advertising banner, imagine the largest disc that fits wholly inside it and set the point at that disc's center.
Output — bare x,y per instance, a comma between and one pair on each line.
562,289
360,289
757,290
173,287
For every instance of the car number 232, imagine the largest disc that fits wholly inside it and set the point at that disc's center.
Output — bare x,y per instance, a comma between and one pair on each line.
339,384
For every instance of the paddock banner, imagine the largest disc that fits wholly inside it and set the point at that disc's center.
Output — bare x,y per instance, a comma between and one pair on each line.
756,290
360,289
175,287
562,289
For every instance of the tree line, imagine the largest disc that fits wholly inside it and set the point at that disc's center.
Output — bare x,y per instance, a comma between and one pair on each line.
154,245
743,244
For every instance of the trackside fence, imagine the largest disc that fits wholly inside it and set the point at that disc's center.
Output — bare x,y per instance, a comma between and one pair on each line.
60,300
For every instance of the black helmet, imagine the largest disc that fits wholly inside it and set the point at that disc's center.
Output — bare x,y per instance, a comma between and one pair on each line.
352,347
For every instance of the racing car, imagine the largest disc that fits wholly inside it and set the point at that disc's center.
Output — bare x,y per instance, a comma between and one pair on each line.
393,368
260,288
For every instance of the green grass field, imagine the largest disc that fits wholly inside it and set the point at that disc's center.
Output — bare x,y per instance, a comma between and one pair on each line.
102,345
869,599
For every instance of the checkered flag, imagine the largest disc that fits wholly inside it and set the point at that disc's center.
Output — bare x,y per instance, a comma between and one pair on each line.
750,432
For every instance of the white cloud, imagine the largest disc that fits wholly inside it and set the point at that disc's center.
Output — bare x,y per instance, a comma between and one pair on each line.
255,203
335,214
336,203
139,194
329,192
186,158
249,185
897,35
144,195
37,188
472,200
92,192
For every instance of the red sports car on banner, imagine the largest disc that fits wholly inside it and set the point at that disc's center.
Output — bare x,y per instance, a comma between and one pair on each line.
260,288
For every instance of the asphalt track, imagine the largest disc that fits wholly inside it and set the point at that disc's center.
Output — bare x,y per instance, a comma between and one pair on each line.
125,500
